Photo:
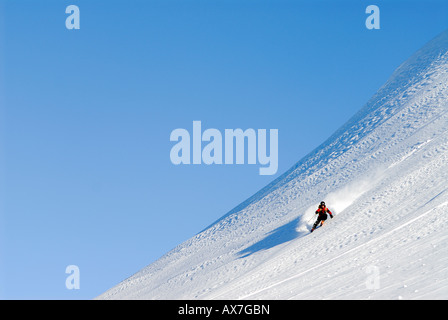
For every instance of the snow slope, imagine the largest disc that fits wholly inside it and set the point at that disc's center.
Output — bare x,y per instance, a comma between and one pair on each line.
385,176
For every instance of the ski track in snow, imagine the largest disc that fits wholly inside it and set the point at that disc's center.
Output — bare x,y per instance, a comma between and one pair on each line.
384,174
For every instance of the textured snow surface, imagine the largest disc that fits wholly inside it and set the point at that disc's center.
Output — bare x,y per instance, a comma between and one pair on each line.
385,176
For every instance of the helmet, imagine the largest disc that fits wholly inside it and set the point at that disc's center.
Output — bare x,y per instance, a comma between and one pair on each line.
322,203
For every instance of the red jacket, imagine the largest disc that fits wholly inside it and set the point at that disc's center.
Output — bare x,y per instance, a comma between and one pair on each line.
322,212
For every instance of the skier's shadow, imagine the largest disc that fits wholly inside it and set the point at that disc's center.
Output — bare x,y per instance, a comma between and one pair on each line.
278,236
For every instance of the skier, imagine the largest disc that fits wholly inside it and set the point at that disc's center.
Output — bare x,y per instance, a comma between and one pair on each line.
322,212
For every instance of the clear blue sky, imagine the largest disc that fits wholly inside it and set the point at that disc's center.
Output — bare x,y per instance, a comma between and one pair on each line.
86,115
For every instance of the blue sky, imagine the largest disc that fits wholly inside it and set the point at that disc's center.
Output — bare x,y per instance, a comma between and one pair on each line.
86,115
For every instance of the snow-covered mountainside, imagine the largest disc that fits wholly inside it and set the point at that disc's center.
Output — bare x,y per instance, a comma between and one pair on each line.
385,176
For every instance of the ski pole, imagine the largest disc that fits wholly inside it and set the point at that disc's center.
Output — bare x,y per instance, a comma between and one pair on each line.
310,219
